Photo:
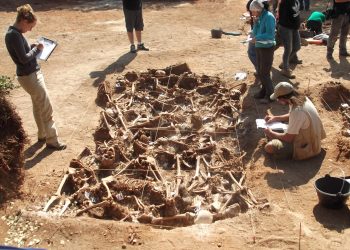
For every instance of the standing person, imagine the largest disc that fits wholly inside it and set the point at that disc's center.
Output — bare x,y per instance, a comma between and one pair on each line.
305,5
134,20
264,40
289,23
340,24
302,140
29,75
251,45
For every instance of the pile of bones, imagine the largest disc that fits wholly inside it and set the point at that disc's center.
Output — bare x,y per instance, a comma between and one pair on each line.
343,142
167,152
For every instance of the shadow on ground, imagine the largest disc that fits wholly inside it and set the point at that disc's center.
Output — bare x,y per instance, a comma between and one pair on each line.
116,67
293,173
32,150
339,70
333,219
252,110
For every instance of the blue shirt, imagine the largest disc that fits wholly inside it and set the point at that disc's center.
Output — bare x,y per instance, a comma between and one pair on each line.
264,30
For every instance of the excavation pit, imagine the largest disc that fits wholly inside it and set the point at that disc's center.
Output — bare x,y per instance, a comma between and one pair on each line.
166,152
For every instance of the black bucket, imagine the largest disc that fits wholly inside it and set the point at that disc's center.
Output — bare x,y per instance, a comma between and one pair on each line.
216,33
332,192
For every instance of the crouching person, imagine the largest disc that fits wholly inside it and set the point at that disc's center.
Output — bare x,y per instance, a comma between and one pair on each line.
302,140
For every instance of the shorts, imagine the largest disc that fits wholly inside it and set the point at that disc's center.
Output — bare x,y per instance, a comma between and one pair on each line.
282,150
133,20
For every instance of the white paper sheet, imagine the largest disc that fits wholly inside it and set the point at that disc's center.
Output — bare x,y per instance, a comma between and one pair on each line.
261,123
49,46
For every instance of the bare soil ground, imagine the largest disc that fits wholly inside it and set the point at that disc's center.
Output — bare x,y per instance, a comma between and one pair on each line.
92,48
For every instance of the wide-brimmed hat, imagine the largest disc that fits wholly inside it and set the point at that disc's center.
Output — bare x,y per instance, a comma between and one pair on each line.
281,89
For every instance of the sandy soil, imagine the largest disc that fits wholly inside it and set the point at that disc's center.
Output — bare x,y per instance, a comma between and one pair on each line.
93,47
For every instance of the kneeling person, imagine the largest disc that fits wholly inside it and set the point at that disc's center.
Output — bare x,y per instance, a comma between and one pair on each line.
302,140
314,22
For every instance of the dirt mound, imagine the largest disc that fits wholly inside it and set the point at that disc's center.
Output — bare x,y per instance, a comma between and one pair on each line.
334,94
336,97
167,152
12,140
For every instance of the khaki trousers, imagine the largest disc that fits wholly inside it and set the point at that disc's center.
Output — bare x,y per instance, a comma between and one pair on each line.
34,85
339,25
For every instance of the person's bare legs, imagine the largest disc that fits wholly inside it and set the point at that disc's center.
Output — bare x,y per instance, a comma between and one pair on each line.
131,37
138,36
131,40
140,45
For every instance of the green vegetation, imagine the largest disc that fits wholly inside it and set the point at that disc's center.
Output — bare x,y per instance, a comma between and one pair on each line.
6,83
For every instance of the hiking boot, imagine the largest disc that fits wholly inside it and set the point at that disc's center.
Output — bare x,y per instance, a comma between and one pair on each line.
133,48
288,73
57,146
296,61
142,47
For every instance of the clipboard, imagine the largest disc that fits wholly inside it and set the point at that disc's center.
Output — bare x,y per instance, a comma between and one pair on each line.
49,47
276,126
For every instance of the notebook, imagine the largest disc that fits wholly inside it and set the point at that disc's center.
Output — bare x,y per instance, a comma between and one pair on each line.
49,47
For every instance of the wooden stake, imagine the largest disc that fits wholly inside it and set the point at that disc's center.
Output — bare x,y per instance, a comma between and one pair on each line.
178,175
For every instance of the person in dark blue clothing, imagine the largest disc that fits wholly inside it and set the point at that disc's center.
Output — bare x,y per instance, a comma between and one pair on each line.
340,26
305,5
288,29
134,20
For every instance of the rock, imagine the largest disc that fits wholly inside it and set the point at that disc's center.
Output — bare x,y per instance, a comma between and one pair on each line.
131,76
215,206
232,211
160,73
204,217
124,246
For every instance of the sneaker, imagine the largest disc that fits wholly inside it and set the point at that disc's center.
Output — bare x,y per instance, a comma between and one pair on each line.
142,47
57,146
288,73
133,48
